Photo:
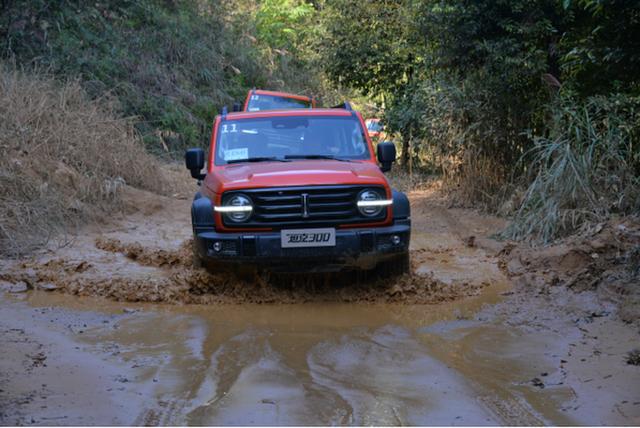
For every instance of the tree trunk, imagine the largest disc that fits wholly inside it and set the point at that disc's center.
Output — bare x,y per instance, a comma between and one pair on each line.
406,139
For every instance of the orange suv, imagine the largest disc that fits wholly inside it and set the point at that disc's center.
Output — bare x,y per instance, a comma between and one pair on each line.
259,100
297,190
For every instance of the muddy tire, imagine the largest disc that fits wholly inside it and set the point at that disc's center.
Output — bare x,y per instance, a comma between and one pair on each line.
397,266
246,273
196,260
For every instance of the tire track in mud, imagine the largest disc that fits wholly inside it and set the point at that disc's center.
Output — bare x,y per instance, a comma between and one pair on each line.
158,275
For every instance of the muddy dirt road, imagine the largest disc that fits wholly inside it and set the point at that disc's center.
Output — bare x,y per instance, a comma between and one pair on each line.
117,328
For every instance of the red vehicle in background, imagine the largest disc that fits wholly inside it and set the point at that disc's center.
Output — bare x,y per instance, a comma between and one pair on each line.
374,127
259,100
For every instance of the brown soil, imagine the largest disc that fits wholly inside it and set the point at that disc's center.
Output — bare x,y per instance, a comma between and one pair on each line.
605,261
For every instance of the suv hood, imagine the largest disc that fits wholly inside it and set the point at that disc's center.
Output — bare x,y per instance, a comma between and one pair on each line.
294,173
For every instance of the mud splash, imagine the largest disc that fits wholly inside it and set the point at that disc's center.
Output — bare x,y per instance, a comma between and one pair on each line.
171,278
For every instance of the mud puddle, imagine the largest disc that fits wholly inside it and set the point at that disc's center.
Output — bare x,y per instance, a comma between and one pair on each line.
269,365
455,363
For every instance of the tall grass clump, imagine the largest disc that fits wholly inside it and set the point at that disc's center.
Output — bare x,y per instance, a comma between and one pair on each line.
63,158
585,170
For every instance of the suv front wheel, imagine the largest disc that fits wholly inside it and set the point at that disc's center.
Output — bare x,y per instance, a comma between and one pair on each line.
399,265
196,260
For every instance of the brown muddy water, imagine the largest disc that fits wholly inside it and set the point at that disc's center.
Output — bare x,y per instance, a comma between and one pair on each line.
255,364
454,344
307,364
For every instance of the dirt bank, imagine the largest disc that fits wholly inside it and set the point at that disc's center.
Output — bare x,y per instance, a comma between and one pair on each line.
604,260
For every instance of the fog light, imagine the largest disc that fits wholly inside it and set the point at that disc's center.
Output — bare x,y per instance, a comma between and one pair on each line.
217,246
395,239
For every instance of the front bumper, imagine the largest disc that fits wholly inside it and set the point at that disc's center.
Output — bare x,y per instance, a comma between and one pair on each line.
358,248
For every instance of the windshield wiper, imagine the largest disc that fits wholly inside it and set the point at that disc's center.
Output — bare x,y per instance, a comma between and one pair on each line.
259,159
330,157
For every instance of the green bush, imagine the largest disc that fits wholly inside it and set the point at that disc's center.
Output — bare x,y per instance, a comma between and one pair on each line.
585,170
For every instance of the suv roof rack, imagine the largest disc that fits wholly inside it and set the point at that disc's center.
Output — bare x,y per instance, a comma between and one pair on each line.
345,105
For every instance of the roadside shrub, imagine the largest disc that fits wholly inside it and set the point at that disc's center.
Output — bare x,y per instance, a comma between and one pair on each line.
64,158
585,170
467,132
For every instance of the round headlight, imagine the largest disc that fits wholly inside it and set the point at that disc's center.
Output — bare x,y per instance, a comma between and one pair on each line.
369,196
237,208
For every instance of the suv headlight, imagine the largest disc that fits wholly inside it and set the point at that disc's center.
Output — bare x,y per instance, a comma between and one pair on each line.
371,202
237,208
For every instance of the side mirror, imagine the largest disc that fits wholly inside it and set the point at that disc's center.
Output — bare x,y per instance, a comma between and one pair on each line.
386,155
194,159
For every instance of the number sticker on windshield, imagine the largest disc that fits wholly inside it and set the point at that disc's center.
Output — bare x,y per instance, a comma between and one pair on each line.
226,128
236,154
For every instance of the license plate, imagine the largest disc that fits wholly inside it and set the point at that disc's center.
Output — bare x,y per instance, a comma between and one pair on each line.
308,238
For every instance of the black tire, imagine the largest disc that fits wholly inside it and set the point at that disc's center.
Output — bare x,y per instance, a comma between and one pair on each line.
397,266
196,260
246,273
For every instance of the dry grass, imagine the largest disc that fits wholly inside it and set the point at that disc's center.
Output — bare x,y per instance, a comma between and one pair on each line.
586,170
418,180
475,180
64,158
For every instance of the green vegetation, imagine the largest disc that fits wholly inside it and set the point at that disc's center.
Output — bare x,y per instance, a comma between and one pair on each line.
171,64
585,170
536,98
505,94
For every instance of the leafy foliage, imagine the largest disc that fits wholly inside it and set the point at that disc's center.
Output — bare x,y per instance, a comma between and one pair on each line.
601,51
472,86
370,45
172,64
587,169
283,24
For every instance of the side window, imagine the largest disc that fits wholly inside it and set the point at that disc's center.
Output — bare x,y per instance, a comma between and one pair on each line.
356,144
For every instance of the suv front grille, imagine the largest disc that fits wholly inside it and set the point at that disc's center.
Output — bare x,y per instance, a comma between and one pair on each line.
315,206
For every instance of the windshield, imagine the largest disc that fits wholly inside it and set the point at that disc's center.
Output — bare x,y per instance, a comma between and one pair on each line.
290,138
374,126
259,102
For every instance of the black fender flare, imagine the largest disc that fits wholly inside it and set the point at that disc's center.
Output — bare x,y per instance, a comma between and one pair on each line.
202,213
401,206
